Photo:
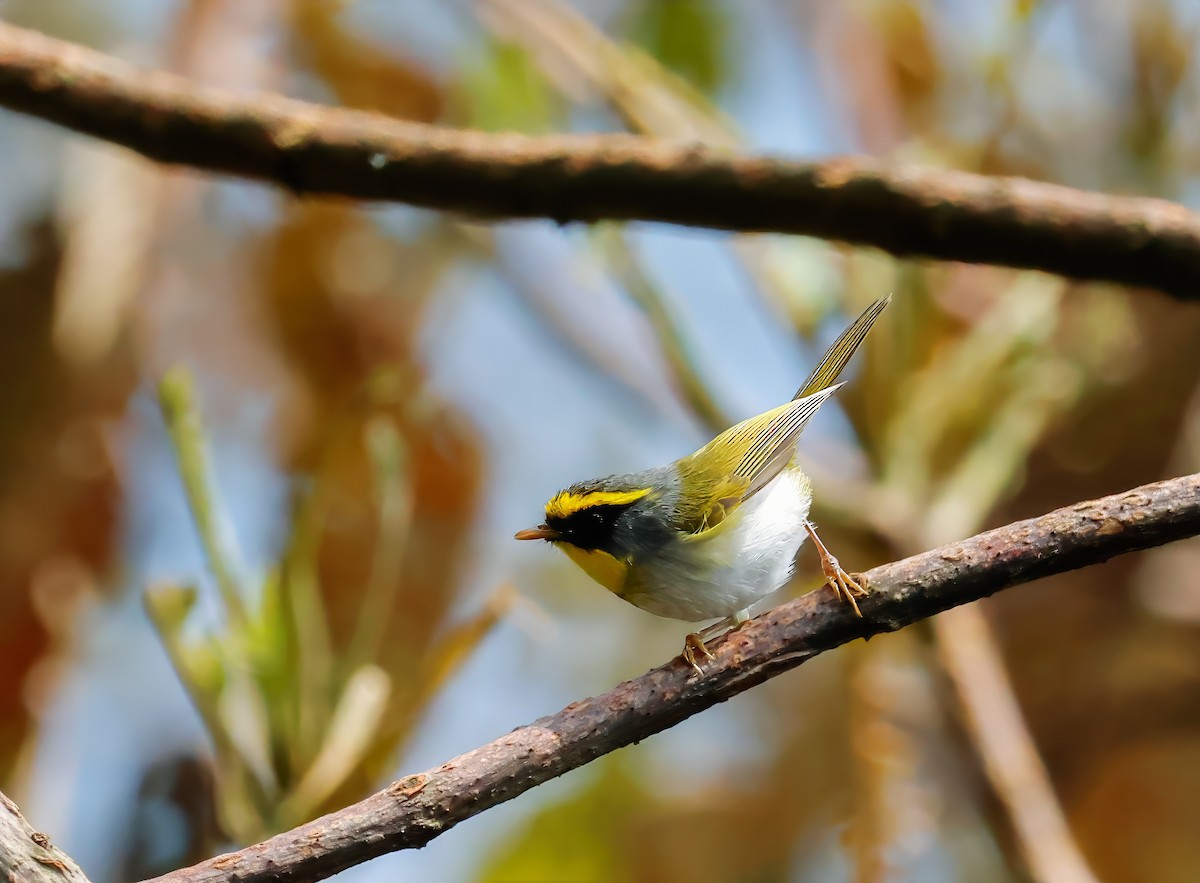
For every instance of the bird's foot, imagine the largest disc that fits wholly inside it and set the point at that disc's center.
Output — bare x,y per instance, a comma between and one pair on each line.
695,642
692,645
844,586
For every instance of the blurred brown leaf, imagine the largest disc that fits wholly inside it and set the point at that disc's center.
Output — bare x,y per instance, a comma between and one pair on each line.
362,76
58,487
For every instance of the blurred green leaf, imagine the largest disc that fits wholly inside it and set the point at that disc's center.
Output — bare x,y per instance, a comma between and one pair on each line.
309,646
242,707
687,36
945,404
202,663
348,739
393,496
176,397
501,89
170,606
572,840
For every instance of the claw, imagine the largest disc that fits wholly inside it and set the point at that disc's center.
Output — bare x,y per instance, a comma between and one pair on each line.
692,645
844,586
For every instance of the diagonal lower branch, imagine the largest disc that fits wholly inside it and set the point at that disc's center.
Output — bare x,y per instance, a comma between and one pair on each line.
28,856
418,808
905,210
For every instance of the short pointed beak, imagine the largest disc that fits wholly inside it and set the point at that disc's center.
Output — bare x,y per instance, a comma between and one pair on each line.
541,532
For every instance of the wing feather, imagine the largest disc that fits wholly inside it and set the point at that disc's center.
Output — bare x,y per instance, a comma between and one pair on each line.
744,459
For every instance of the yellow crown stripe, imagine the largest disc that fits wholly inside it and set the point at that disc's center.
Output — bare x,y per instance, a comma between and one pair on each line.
568,503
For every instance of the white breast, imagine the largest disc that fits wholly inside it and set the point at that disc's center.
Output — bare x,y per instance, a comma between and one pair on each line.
744,559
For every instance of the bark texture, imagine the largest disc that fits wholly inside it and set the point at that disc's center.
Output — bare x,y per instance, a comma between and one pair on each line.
28,856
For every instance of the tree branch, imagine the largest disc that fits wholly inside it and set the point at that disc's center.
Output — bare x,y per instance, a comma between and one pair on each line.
909,211
1010,759
416,809
28,856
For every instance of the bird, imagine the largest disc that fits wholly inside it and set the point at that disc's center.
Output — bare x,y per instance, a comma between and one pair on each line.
714,532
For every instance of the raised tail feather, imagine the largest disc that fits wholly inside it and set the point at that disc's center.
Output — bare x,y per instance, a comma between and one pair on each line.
836,357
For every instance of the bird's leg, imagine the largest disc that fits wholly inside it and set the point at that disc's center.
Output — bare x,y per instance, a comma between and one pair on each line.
843,585
739,619
694,643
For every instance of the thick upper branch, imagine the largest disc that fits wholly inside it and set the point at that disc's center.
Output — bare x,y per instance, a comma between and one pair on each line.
414,810
906,210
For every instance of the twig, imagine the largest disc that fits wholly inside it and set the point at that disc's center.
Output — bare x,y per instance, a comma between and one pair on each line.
906,210
28,856
1010,758
418,808
676,348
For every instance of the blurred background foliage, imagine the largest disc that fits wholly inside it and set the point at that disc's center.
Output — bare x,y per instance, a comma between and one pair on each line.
260,458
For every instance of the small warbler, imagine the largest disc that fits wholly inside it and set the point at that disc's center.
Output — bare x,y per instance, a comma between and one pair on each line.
715,531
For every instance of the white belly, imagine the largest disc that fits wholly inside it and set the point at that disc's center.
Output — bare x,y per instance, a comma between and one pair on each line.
744,559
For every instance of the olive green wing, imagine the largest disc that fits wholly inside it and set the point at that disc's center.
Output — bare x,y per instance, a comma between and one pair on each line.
842,350
740,462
